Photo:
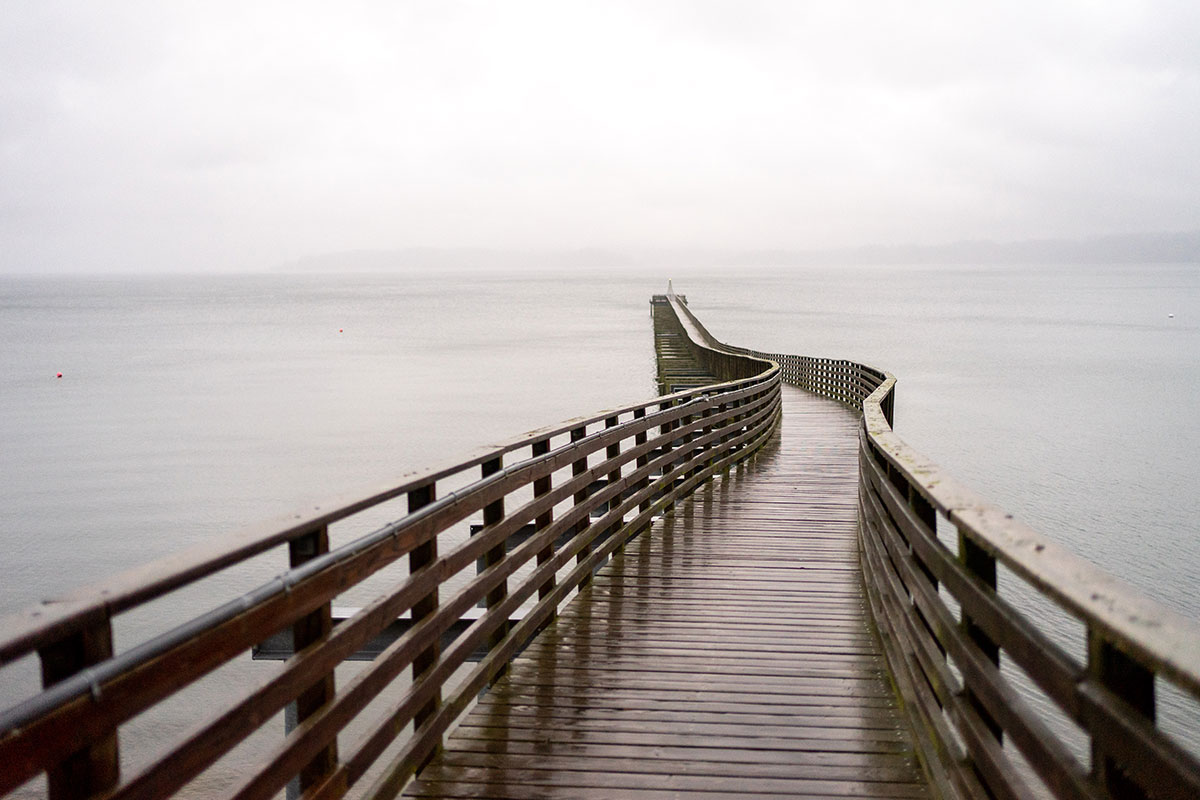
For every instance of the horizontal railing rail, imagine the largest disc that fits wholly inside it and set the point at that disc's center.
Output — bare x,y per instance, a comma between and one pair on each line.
970,663
585,486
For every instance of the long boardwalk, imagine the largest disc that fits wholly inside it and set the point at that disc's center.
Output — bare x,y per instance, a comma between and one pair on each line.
726,653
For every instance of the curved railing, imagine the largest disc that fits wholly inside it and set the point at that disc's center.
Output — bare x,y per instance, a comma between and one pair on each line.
974,672
574,494
554,505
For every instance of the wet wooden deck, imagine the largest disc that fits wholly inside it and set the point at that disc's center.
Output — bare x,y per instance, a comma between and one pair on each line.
726,653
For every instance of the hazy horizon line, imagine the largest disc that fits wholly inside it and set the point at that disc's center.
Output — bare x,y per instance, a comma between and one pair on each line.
1148,247
1160,247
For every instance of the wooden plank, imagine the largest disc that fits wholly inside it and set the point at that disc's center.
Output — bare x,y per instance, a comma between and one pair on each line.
688,725
484,783
688,699
895,770
833,716
654,751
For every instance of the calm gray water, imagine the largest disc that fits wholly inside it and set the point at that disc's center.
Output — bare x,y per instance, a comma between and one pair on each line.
190,406
193,406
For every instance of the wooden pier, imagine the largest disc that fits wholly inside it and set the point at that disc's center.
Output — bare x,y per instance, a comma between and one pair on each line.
725,653
747,587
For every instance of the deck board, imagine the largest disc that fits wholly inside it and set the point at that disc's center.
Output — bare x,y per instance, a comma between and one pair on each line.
725,653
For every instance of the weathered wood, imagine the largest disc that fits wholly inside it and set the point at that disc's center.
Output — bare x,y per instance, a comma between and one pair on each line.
421,557
96,765
304,597
599,676
493,513
1053,671
696,595
26,631
541,487
309,630
1132,641
420,746
993,627
991,702
223,732
1133,684
1123,733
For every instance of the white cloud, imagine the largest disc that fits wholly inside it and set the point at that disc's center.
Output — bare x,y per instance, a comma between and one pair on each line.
219,135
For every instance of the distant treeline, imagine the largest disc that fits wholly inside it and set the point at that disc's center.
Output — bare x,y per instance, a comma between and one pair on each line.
1137,248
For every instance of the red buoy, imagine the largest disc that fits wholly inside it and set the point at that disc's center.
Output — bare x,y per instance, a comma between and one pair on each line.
339,330
59,375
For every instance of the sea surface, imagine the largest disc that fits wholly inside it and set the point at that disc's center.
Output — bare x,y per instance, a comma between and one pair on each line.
193,406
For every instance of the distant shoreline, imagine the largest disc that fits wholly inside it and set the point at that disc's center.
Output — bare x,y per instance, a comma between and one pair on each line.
1142,248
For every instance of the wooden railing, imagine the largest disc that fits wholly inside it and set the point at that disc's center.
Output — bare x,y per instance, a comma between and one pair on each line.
554,504
973,671
966,661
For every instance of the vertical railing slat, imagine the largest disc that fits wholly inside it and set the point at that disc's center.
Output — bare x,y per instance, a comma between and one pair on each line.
542,487
982,565
1134,684
638,440
705,431
422,556
578,467
493,513
96,767
308,629
613,477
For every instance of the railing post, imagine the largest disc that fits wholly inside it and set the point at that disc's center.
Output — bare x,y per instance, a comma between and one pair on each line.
664,431
308,629
706,430
982,565
493,513
578,467
666,427
925,512
687,453
642,460
541,487
1134,684
725,434
736,421
96,767
679,446
614,477
422,556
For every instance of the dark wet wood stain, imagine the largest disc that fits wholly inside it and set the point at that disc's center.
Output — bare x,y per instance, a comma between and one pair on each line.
724,653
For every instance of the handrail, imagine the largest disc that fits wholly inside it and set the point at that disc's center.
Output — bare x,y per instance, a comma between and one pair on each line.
968,715
584,487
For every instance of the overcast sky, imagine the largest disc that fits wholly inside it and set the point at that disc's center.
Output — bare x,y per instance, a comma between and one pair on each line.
212,135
